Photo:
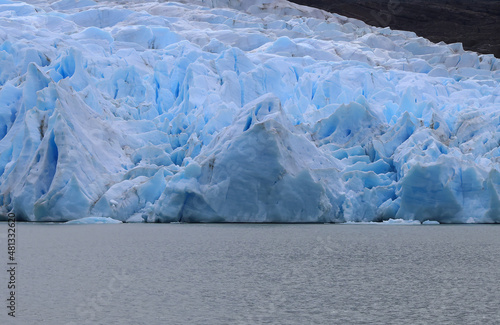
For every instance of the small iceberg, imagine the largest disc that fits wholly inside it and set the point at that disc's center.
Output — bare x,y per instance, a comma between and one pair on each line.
386,222
136,218
92,220
400,222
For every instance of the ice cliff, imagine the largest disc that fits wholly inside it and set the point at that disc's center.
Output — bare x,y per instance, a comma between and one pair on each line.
239,111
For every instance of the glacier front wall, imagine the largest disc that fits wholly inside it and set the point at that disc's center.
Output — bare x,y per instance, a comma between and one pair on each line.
248,111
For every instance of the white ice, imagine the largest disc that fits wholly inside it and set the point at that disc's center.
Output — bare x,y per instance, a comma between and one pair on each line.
92,220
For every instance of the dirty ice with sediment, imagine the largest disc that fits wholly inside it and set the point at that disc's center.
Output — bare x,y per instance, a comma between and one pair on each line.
239,111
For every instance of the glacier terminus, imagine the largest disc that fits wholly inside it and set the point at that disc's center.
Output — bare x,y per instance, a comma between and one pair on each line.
239,111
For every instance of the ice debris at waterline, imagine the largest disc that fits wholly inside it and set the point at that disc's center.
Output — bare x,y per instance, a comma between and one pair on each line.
92,220
397,222
239,111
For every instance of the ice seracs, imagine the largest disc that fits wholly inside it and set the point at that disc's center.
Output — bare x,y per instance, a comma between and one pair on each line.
247,111
261,169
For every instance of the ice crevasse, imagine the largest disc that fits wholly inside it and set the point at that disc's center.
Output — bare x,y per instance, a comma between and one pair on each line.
239,111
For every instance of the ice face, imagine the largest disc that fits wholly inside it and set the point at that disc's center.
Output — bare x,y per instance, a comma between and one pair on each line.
239,111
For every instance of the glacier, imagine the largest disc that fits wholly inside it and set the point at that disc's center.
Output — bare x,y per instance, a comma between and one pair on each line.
239,111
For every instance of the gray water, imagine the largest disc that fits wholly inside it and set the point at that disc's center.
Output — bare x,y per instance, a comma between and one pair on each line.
254,274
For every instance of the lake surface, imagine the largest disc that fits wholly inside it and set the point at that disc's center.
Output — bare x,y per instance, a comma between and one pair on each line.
254,274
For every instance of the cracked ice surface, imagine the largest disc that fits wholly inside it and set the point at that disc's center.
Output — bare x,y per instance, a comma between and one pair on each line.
239,111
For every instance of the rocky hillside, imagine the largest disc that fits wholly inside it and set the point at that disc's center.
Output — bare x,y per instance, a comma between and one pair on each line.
474,23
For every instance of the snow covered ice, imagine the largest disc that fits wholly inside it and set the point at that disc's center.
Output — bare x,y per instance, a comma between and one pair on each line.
239,111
